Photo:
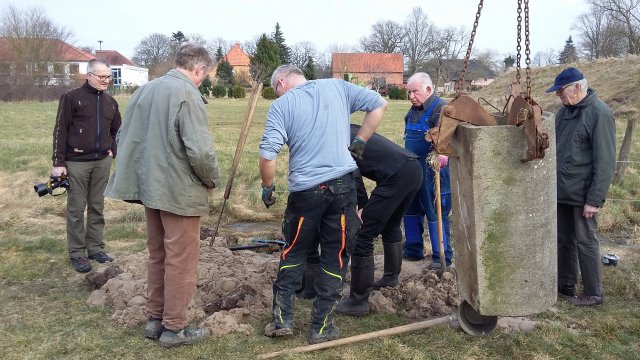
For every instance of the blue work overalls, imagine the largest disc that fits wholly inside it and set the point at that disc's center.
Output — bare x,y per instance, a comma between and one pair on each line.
424,202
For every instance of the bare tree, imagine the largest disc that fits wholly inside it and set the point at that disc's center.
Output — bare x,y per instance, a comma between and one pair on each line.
197,38
627,13
300,53
490,58
600,35
250,46
35,42
219,42
419,35
385,37
449,43
153,52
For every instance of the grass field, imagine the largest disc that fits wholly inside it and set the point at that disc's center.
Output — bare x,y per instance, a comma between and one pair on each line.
43,313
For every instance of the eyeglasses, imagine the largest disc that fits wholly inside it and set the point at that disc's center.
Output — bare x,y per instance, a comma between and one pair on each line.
559,91
101,77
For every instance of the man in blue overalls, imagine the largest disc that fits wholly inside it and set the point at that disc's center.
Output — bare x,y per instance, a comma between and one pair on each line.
423,115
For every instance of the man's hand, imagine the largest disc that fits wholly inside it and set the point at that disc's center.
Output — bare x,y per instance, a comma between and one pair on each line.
268,197
589,211
357,148
58,171
443,160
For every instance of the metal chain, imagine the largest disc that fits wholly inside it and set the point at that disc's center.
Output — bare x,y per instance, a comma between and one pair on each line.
469,47
527,51
519,48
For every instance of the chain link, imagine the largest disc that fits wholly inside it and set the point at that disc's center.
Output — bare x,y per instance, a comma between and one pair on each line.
518,47
527,51
469,47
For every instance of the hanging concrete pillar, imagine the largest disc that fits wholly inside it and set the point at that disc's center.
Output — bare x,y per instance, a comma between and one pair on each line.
504,220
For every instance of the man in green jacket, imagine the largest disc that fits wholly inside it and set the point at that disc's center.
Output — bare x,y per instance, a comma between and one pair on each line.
585,156
167,162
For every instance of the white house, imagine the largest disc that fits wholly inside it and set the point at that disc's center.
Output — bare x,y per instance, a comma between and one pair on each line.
125,72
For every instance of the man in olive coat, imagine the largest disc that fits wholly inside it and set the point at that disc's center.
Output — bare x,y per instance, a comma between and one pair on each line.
167,162
585,156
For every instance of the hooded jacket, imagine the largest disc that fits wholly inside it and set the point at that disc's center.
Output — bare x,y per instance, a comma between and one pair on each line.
585,151
86,126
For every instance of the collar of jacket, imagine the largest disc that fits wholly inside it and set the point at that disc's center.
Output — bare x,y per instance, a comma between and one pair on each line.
426,103
179,75
90,88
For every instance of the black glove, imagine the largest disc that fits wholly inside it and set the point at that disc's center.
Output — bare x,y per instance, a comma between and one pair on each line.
268,198
357,148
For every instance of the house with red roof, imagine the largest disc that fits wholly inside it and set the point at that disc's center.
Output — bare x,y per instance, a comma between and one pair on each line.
240,61
124,72
55,62
373,70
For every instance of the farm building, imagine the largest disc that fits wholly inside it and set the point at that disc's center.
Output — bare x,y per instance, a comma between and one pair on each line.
374,70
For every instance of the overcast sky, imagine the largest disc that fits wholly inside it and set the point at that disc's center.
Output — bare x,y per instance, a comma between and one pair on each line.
122,24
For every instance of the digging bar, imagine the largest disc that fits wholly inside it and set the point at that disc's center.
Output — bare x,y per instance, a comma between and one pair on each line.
248,116
435,165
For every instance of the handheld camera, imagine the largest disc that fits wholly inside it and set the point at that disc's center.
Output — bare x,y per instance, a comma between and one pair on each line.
54,183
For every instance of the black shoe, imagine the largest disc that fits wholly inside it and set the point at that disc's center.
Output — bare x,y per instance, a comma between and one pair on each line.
81,264
412,258
101,257
273,330
153,329
186,336
586,300
567,290
328,334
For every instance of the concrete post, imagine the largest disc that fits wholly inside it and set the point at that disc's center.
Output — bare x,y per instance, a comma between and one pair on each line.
504,220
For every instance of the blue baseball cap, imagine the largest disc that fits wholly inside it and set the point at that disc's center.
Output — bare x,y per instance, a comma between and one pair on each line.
566,77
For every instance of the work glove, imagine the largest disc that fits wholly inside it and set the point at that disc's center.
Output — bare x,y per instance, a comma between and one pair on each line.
357,148
268,196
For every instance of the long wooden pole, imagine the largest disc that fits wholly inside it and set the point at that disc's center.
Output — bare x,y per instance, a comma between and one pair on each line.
248,116
435,165
372,335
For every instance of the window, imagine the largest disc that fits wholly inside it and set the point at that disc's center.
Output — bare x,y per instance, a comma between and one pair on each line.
74,69
117,76
58,70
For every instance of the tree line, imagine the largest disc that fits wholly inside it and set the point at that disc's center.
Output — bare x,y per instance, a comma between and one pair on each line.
610,28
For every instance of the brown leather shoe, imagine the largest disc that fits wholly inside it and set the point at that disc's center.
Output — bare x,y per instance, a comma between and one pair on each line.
587,300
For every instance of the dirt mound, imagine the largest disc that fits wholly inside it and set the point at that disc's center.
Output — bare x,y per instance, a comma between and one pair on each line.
235,287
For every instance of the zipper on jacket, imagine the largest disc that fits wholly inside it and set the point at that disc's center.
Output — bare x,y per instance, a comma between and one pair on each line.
97,126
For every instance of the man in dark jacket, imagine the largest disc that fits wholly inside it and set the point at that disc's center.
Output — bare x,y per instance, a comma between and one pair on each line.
585,156
83,146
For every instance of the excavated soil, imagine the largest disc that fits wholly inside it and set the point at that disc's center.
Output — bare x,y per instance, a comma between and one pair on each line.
235,287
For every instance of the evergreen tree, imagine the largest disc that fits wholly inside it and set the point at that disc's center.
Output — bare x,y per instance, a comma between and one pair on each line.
309,69
224,72
179,37
265,60
509,61
283,50
219,54
569,54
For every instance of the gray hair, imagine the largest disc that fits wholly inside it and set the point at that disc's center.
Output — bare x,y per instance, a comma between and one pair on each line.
424,79
91,66
584,86
190,55
282,72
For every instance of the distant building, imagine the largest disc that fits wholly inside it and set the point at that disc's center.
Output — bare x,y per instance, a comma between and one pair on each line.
124,72
240,61
43,61
373,70
61,63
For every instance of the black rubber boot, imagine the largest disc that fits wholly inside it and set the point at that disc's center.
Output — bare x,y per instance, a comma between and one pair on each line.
392,265
308,290
357,303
